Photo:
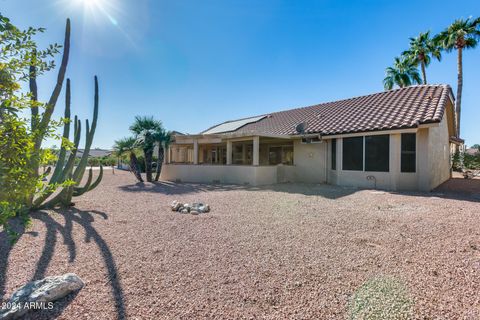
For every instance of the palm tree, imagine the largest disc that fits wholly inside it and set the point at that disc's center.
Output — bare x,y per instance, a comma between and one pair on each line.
422,50
162,139
461,34
144,129
403,74
127,145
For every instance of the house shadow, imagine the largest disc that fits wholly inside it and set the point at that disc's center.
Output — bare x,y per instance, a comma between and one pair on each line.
181,188
453,189
55,229
174,188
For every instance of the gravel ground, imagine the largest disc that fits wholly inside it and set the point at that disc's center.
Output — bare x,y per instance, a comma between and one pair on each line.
458,184
294,251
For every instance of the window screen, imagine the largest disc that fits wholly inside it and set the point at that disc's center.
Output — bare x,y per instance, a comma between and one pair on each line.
275,155
287,157
334,154
409,147
377,153
353,153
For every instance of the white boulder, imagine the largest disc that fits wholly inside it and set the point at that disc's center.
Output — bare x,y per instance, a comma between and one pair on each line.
39,293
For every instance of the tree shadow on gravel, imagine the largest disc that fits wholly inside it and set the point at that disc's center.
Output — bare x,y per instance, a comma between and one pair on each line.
179,188
53,229
58,307
173,188
5,249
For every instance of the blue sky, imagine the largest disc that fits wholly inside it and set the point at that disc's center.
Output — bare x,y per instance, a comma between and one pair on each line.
193,63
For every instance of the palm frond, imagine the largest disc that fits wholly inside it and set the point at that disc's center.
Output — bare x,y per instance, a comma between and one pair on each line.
142,123
403,73
462,33
124,145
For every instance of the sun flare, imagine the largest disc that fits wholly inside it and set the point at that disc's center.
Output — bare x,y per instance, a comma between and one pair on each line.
98,8
91,3
100,15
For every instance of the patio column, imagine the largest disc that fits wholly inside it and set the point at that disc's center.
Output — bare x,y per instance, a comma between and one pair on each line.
395,159
195,151
167,155
256,151
229,152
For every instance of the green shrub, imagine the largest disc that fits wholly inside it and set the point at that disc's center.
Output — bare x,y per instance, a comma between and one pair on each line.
93,162
108,161
457,161
471,161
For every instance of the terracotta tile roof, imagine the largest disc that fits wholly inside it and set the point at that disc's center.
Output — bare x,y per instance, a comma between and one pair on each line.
395,109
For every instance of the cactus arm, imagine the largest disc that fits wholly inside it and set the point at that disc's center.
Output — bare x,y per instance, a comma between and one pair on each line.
65,174
50,106
66,133
71,159
80,170
82,165
97,182
78,191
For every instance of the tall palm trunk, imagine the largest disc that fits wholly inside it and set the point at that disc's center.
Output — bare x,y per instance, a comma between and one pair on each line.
458,101
160,157
424,72
148,164
134,166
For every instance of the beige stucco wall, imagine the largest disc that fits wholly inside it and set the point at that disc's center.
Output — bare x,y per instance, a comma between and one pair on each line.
232,174
309,162
433,156
423,171
439,153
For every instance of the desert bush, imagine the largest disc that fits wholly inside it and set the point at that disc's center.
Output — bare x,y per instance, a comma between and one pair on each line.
93,162
108,161
471,161
21,152
457,161
18,55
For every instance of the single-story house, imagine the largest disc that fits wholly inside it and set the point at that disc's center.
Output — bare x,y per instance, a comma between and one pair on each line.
396,140
94,153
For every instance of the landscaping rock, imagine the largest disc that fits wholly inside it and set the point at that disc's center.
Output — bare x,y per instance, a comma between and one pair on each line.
194,212
175,205
37,294
198,207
